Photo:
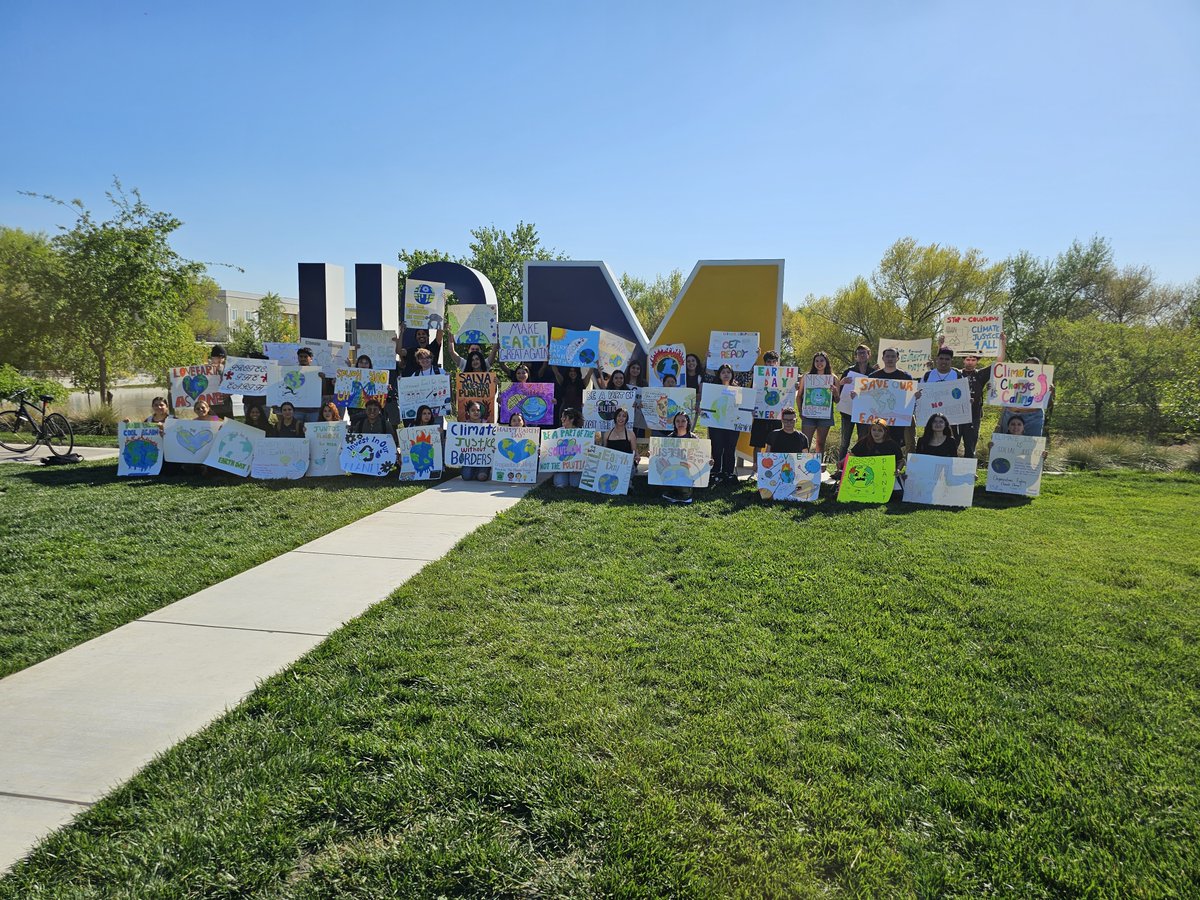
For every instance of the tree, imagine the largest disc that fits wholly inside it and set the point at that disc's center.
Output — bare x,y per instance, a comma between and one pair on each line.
650,301
927,282
270,324
201,293
24,331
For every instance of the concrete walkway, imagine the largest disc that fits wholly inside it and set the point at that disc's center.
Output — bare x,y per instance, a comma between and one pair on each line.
41,451
79,724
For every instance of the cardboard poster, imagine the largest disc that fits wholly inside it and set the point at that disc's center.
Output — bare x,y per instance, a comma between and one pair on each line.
731,408
563,449
282,352
606,471
951,399
600,407
420,452
939,480
524,341
233,451
140,446
379,345
245,376
533,400
478,386
884,398
471,323
661,405
190,383
736,349
424,304
794,477
325,441
189,440
774,390
516,458
845,404
328,356
974,335
667,359
1015,465
297,385
574,348
868,479
280,458
1023,385
354,387
680,462
914,355
614,351
368,454
423,390
470,444
816,398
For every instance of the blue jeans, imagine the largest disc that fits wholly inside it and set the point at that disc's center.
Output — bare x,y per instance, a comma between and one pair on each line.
567,479
1035,421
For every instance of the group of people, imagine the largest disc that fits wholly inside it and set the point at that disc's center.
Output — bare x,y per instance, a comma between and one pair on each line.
792,433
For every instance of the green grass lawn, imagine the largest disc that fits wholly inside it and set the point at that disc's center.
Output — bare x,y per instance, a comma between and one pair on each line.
592,698
85,551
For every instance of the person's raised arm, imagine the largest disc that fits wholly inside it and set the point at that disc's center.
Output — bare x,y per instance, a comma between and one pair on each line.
1003,347
557,372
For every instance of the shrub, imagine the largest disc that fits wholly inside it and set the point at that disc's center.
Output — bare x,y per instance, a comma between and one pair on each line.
1191,462
99,420
12,381
1112,452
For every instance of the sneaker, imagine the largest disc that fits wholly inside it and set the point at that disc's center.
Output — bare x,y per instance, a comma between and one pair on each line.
669,498
685,502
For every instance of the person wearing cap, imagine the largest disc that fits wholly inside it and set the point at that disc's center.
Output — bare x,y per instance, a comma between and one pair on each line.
221,404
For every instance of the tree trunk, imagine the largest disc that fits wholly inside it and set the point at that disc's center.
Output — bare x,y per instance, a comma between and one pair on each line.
102,378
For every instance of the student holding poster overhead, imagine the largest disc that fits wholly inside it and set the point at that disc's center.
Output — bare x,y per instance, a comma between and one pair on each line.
724,440
568,392
817,430
862,368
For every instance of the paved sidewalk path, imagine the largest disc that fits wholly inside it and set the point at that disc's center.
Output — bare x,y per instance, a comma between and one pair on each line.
41,451
77,725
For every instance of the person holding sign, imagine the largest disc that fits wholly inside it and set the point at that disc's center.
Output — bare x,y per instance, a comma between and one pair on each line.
693,372
304,357
879,442
682,429
222,404
889,370
1016,427
787,439
938,439
373,422
568,393
287,425
817,430
862,368
977,380
572,417
1033,420
760,428
621,437
474,410
408,364
465,360
724,440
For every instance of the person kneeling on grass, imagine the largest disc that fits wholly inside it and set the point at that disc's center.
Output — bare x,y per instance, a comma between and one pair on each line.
571,418
373,422
879,442
682,429
475,473
1016,426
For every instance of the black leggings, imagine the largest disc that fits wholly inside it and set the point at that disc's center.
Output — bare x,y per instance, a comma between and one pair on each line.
724,445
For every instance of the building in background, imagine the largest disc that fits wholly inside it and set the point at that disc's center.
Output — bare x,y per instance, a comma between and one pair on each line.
230,308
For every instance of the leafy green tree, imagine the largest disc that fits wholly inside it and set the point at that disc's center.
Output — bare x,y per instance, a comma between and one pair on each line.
927,282
651,300
117,291
24,329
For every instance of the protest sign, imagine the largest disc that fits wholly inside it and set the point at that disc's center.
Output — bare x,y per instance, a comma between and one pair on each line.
354,387
574,348
667,359
939,480
914,356
1015,465
736,349
845,403
600,406
606,471
816,398
424,304
420,452
614,351
192,383
280,458
515,460
533,400
951,399
325,440
378,346
423,390
974,335
297,385
245,376
563,449
661,405
470,444
774,390
1024,385
328,356
480,387
189,440
680,462
282,352
524,341
795,477
726,407
868,479
368,454
233,450
888,399
140,446
471,323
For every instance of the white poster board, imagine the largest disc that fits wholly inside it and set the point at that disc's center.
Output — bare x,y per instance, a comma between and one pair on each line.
774,390
189,440
615,351
884,398
471,323
661,405
666,359
951,399
280,458
325,441
974,335
328,356
816,396
728,407
1015,465
424,304
233,451
563,449
1023,385
140,449
245,376
378,345
794,477
600,407
297,385
516,458
914,355
939,480
354,387
423,390
470,444
368,454
420,452
606,471
845,404
524,341
680,462
736,349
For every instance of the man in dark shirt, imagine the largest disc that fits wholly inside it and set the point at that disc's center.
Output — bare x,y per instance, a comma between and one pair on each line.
977,381
890,372
787,439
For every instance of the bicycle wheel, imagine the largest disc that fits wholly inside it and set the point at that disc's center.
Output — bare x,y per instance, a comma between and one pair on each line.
16,432
58,435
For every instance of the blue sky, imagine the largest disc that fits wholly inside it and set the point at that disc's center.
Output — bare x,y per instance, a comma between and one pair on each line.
648,135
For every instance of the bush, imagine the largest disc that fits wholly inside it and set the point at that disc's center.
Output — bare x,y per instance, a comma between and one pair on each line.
12,381
1111,452
99,420
1191,462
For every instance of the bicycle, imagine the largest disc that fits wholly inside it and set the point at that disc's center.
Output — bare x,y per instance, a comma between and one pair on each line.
20,432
